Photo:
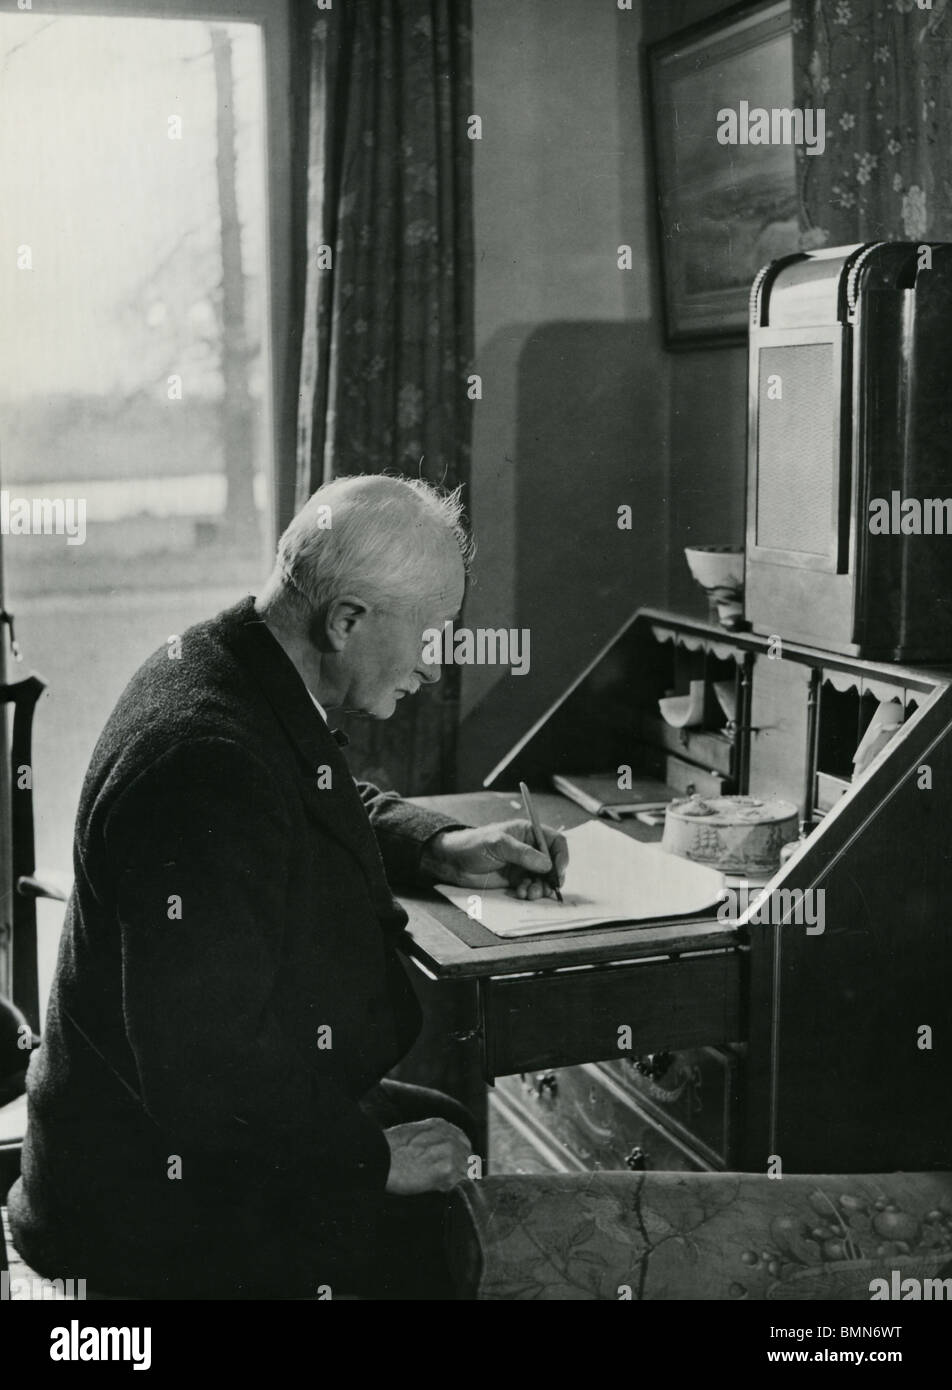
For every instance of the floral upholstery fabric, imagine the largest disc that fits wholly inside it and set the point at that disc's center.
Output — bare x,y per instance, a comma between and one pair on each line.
727,1236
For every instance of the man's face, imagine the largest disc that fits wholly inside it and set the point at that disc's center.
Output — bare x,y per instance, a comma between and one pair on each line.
383,660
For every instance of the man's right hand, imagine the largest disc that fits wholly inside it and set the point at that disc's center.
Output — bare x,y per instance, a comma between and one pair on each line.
426,1156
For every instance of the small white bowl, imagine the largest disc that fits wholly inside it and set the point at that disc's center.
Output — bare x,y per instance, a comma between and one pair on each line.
719,569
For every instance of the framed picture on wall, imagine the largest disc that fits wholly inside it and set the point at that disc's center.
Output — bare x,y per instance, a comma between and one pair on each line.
727,204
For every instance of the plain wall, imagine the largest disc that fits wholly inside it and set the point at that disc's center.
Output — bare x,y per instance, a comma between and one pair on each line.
584,408
571,425
706,406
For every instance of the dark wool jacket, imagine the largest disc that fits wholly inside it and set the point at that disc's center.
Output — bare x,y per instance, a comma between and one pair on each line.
228,986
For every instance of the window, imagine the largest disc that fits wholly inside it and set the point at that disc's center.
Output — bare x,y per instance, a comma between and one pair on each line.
137,289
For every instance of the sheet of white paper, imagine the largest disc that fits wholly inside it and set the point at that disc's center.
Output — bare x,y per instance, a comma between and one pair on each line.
610,878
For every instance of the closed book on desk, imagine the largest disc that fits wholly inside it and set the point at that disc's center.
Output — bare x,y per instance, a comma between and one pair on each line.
601,795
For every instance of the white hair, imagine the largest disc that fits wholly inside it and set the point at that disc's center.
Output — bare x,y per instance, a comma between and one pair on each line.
371,535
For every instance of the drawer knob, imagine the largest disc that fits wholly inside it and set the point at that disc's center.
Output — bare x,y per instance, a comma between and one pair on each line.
654,1065
637,1159
467,1035
546,1084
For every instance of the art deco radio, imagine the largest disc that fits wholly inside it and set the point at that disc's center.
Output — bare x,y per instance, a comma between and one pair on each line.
849,507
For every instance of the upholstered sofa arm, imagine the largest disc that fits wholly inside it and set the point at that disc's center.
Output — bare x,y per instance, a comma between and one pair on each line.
724,1236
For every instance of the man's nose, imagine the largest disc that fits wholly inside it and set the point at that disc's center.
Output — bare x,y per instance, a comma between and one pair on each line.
429,674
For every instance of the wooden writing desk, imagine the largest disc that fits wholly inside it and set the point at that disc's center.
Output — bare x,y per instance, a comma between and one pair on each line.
838,1037
552,1000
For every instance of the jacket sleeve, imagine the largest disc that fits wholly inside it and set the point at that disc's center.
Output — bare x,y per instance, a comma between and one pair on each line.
402,830
200,847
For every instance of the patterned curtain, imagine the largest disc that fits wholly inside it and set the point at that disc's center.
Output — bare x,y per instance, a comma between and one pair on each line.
882,69
387,343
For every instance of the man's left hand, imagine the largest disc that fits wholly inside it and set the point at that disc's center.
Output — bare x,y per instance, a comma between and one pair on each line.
502,855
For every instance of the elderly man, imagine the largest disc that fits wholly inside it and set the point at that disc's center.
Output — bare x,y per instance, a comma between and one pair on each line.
207,1112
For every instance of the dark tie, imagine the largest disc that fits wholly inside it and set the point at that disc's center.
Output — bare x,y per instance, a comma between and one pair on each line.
340,738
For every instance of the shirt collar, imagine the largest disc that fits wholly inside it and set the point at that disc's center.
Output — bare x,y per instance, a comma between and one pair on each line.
268,663
338,735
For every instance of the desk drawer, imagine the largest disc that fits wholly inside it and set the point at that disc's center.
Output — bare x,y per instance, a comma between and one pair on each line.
569,1016
708,749
583,1113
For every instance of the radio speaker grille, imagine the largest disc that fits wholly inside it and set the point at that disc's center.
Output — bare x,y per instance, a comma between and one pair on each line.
796,455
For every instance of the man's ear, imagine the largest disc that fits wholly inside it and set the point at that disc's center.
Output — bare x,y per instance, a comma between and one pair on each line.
341,620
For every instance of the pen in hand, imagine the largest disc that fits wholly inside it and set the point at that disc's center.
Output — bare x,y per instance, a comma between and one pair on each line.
541,845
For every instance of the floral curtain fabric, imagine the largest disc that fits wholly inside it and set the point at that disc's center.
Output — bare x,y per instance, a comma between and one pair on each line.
387,342
882,69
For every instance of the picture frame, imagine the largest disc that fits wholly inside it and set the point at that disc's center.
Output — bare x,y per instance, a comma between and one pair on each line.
723,210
